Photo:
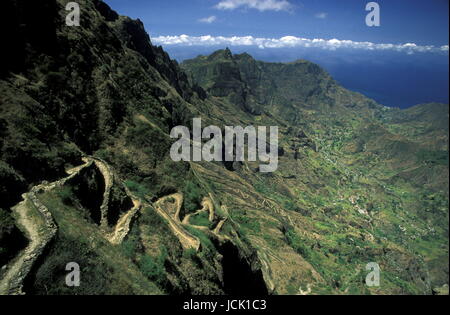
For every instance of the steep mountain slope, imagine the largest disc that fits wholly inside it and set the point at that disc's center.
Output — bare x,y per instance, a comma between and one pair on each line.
426,124
356,183
384,160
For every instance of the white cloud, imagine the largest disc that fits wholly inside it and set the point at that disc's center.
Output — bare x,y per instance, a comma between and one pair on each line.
321,15
292,41
261,5
208,20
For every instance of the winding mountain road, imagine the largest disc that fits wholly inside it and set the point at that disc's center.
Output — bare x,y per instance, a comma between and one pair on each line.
31,229
36,222
38,230
122,227
187,240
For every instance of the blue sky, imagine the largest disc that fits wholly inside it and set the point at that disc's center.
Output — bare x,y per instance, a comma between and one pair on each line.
424,22
402,63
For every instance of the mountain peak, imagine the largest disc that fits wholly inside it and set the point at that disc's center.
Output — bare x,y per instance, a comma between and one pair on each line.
221,54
